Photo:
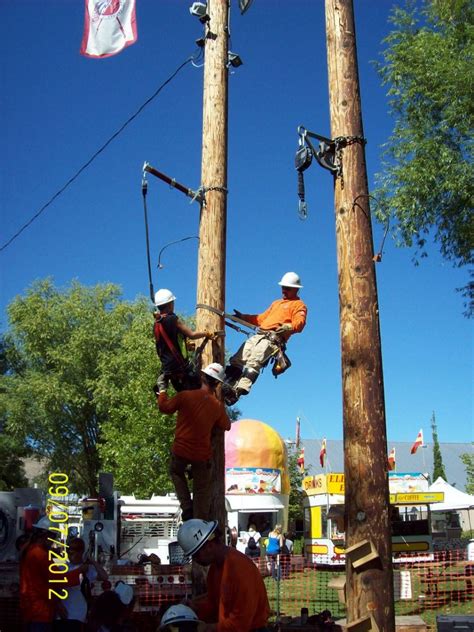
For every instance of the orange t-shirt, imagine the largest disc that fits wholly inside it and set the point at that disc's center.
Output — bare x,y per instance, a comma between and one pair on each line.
198,412
236,595
35,603
281,312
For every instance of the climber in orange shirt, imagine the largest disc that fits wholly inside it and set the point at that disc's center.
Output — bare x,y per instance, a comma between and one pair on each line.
236,598
199,411
283,318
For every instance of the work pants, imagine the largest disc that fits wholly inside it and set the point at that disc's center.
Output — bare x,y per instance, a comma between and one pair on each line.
254,354
199,505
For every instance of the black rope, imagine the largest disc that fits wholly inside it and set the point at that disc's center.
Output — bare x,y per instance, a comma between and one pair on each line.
145,210
378,255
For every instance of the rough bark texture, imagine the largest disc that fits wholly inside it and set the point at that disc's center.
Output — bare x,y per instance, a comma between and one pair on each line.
212,230
370,590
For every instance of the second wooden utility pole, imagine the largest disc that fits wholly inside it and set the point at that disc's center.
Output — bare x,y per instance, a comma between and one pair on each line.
369,580
213,220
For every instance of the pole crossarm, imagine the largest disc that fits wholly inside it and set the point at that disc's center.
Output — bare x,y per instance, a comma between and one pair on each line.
194,195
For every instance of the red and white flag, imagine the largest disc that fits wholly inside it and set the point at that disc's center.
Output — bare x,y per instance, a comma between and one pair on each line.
418,442
109,26
391,460
300,460
322,453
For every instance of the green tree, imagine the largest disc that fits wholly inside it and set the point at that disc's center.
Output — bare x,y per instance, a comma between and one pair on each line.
438,467
427,181
60,346
136,437
12,451
12,471
295,503
468,460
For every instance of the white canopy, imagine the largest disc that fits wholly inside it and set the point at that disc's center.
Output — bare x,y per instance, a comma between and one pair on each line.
453,498
252,503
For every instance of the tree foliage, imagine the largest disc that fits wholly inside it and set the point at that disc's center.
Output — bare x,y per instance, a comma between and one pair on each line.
12,451
438,466
295,503
78,388
468,460
427,182
136,438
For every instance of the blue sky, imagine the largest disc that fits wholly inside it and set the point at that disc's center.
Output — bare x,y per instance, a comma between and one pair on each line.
58,108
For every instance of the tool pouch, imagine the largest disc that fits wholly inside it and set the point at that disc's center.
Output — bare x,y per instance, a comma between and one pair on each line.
281,362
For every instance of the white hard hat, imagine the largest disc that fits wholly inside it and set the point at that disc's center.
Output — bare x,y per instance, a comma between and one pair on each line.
193,533
44,523
215,370
164,296
290,279
178,614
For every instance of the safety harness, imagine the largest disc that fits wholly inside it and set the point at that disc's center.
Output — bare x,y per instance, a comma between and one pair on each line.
280,361
160,332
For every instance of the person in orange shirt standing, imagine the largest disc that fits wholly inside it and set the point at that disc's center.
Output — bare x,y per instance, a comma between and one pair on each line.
38,608
199,411
284,317
236,598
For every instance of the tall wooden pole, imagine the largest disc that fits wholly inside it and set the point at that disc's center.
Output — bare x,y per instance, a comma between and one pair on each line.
212,228
369,589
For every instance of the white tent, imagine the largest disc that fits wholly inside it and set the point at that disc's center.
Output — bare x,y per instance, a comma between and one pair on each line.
454,499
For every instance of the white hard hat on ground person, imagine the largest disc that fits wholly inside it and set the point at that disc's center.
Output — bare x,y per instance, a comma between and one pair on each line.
179,614
216,371
290,279
44,523
164,296
193,533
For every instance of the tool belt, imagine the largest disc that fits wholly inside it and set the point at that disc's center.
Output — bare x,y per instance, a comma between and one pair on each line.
281,362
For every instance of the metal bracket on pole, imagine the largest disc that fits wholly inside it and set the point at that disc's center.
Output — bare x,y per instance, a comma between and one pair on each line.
197,196
326,152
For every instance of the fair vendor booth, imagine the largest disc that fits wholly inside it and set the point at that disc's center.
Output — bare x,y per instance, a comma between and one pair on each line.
256,478
410,500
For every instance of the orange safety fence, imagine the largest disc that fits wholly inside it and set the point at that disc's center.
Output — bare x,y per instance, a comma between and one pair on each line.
440,583
437,583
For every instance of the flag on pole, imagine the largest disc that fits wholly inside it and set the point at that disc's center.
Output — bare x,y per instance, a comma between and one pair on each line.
297,438
391,460
300,461
322,453
418,442
109,26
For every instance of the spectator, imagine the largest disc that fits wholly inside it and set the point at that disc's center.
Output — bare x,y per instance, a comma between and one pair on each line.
275,542
76,603
252,542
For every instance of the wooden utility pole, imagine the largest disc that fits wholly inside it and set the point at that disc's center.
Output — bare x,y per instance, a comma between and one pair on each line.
212,227
369,586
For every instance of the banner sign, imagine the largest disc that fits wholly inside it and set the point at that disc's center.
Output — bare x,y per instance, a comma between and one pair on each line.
252,480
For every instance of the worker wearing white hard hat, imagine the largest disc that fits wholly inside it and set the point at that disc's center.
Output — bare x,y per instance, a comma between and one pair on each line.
284,317
236,597
179,614
199,412
170,339
37,608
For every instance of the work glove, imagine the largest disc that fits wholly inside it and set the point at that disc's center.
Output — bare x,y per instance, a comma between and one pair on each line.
161,384
209,335
237,313
283,328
